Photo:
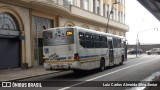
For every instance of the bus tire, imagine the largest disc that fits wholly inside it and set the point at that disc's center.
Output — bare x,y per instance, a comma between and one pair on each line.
102,65
149,53
122,59
76,71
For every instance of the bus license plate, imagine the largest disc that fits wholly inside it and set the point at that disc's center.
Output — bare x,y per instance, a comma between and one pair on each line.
59,65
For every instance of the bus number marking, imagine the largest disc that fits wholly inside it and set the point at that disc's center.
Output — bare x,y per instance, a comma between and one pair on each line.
53,56
70,57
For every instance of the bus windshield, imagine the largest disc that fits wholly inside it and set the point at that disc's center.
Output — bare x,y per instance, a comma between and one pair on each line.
58,37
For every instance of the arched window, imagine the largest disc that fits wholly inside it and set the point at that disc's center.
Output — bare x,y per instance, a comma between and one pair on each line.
114,32
120,33
85,26
69,24
97,29
7,22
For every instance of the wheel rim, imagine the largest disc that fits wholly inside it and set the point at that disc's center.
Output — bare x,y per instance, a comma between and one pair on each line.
102,66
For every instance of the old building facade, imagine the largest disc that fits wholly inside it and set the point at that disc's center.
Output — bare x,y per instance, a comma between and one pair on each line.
22,21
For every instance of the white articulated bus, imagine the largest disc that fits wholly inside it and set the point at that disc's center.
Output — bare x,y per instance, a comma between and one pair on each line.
75,48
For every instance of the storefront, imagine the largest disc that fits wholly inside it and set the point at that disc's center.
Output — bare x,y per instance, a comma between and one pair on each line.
38,24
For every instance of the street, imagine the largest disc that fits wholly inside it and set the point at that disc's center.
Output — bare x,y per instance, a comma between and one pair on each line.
135,69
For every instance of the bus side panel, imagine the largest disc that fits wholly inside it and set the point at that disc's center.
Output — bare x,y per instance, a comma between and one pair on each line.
119,55
105,55
99,54
116,56
91,57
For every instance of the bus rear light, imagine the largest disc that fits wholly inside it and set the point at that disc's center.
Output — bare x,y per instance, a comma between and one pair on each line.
76,56
43,59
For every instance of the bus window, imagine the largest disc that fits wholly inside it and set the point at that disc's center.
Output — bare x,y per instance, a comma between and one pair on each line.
89,40
58,37
97,41
82,39
81,36
116,42
119,43
104,42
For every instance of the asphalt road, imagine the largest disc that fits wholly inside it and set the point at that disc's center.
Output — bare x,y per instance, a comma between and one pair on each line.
132,70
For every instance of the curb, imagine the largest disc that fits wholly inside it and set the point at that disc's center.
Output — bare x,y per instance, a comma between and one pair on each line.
33,76
134,57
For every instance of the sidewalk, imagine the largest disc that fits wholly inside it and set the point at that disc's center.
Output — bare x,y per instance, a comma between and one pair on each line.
132,56
18,73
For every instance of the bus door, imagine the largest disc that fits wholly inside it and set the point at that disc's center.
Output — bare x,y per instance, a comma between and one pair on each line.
125,48
111,53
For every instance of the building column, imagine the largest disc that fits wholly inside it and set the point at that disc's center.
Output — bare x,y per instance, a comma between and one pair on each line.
110,7
23,51
101,7
60,2
96,6
123,21
117,12
78,3
106,9
91,5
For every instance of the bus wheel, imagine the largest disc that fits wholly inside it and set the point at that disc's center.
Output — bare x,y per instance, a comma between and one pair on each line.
102,65
149,53
76,71
122,59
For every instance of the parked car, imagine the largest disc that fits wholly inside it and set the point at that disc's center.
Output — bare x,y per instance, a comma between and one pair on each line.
133,51
153,51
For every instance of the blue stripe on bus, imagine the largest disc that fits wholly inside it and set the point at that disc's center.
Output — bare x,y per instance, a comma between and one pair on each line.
64,58
88,56
61,58
91,56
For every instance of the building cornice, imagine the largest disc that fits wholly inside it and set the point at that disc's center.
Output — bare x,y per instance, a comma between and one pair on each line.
68,12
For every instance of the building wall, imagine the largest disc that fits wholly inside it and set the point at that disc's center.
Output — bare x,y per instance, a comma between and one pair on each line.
71,22
65,22
23,15
119,7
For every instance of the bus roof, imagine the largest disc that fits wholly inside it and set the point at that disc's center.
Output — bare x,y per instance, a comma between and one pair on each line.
88,30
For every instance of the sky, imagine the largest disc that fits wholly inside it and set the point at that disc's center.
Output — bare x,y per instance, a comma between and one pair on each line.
141,20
